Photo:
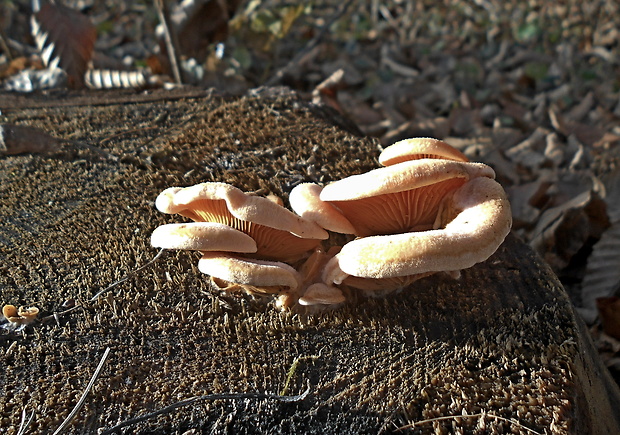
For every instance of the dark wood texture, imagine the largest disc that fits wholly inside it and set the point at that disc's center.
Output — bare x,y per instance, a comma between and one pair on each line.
502,343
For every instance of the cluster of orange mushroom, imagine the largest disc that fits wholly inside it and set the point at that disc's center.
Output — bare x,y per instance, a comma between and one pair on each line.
19,317
427,210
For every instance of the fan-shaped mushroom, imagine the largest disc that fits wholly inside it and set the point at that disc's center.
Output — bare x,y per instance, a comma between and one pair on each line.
395,199
473,222
245,239
429,210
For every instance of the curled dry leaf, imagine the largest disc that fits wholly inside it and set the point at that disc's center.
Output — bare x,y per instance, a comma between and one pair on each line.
602,277
602,272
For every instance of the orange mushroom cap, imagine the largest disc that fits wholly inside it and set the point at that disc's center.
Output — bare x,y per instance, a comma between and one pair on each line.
278,233
402,197
247,271
482,221
419,148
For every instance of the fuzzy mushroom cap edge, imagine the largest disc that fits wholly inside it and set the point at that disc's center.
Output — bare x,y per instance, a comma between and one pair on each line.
419,148
202,198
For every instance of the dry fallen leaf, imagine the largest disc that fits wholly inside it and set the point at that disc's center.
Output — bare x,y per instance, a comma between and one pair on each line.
609,311
19,139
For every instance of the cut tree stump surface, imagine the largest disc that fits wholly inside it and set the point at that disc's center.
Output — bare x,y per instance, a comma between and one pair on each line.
501,344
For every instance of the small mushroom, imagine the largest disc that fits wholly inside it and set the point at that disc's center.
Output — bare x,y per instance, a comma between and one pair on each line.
322,294
247,271
279,234
305,201
21,316
202,236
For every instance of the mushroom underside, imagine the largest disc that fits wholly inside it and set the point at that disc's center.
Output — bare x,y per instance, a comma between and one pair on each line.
392,213
481,224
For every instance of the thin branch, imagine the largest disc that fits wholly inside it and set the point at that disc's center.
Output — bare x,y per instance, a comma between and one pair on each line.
309,46
4,46
482,414
80,403
126,277
170,39
233,396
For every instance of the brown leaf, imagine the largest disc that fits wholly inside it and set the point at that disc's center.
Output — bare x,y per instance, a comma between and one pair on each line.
609,311
200,23
603,271
66,39
19,64
563,230
587,134
19,139
326,92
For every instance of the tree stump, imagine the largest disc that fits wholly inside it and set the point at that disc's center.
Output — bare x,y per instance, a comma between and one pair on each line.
499,350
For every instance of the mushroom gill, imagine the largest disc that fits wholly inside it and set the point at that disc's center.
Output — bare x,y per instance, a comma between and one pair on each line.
402,197
278,233
476,221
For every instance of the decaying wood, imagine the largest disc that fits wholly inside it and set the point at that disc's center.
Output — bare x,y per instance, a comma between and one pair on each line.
502,344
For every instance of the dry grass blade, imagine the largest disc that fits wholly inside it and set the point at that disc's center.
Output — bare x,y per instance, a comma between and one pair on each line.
23,426
479,415
80,403
231,396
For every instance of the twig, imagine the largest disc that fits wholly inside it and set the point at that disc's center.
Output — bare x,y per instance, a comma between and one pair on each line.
237,396
98,150
126,277
80,403
309,46
4,46
481,414
24,424
170,39
293,369
56,315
